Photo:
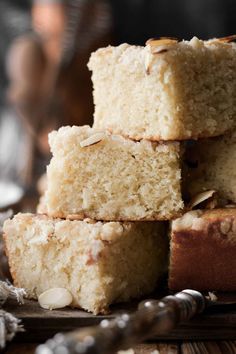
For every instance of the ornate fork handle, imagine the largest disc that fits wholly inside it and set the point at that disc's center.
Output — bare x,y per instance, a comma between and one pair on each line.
153,317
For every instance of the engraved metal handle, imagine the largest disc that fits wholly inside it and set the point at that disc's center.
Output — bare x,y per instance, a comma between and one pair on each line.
153,317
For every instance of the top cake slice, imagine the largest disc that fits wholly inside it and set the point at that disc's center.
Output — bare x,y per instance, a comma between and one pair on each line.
167,90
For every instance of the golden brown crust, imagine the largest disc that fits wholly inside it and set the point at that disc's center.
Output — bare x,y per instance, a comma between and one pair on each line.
219,214
204,259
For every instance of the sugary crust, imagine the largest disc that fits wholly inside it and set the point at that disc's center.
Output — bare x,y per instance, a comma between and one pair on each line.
219,215
204,258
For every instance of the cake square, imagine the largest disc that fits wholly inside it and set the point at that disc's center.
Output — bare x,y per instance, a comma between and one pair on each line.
209,164
203,248
99,263
167,90
107,177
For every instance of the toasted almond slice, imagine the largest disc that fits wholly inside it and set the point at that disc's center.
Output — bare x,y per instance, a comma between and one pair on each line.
201,197
148,62
227,39
160,45
157,46
93,139
161,41
55,298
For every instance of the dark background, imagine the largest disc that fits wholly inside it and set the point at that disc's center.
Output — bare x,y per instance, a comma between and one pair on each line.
134,21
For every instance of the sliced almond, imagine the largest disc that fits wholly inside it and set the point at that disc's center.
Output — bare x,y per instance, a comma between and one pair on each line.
161,41
157,46
55,298
200,198
93,139
160,45
227,39
148,62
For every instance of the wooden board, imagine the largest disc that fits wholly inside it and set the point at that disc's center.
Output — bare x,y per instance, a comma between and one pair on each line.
220,347
216,324
161,348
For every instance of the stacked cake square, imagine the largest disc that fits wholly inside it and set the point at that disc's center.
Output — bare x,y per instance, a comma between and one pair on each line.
101,228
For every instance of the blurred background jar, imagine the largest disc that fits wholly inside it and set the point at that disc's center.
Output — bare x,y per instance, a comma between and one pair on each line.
46,80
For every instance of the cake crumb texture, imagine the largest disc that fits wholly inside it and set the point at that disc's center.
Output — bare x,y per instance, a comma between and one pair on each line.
108,177
210,165
178,91
99,263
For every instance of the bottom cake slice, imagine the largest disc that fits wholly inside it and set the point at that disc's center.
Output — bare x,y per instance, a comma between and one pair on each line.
98,262
203,250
